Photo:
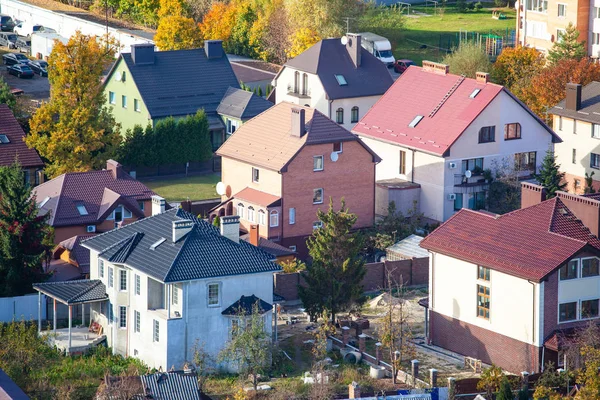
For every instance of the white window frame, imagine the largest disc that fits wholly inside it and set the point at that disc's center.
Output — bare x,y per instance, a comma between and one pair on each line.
155,330
240,210
292,215
124,101
174,296
578,270
262,219
112,98
208,297
255,175
596,131
136,105
293,247
101,268
138,285
251,214
577,311
597,157
122,280
564,10
581,260
315,162
580,309
274,219
317,224
137,321
322,196
122,317
111,277
90,228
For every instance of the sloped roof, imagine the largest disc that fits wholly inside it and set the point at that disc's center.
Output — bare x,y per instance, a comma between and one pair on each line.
9,390
409,247
528,243
242,104
202,253
77,253
266,140
171,386
74,292
329,57
98,191
16,148
419,91
257,197
245,306
274,249
181,82
590,105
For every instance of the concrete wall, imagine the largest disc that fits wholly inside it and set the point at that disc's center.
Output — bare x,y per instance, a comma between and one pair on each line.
66,25
21,307
404,198
409,272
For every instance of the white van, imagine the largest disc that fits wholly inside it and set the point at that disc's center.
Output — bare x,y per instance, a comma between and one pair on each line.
379,46
26,28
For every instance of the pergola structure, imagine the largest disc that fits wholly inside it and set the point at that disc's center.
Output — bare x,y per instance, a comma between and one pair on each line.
70,293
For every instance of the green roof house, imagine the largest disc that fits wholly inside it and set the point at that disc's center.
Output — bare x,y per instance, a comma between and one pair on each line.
145,86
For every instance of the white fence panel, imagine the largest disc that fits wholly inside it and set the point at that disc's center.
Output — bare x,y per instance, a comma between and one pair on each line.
21,307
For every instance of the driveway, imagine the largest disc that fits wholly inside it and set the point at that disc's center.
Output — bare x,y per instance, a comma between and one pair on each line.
37,88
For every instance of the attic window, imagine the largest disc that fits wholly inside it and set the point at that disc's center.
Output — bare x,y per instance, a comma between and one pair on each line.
82,210
341,80
4,139
157,243
415,121
43,203
475,93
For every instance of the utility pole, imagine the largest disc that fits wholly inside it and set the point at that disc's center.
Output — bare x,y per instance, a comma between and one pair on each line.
347,19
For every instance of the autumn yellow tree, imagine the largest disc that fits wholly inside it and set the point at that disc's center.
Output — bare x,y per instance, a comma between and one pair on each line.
301,40
515,67
176,29
74,130
218,22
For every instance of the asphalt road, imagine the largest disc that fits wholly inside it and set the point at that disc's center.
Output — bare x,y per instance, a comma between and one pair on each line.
37,87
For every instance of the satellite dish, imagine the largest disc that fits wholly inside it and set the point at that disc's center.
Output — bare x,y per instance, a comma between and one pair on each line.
344,40
118,77
468,173
334,156
220,188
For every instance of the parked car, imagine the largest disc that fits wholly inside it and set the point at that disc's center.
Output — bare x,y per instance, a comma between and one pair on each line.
8,40
23,45
401,65
45,29
6,23
26,29
20,71
39,67
14,58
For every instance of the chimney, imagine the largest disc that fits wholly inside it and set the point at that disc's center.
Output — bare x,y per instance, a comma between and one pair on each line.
298,125
585,209
482,77
353,47
142,53
436,68
254,236
158,205
115,168
354,391
573,96
532,194
213,48
181,228
230,227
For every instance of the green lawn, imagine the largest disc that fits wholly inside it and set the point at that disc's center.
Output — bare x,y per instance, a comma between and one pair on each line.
177,189
442,30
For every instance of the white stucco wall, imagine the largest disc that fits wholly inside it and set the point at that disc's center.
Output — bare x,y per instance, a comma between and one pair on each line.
514,302
582,142
578,289
177,335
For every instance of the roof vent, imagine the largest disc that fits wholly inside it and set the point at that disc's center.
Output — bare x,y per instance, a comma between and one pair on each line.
474,93
213,48
157,243
415,121
142,53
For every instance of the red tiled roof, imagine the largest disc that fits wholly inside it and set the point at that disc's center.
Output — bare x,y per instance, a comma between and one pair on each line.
256,197
9,126
66,191
418,92
528,243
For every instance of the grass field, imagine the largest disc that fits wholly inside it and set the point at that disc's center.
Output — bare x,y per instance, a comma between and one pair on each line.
177,189
442,30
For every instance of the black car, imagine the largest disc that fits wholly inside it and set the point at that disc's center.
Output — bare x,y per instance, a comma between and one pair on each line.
14,58
20,71
40,67
8,40
23,45
6,23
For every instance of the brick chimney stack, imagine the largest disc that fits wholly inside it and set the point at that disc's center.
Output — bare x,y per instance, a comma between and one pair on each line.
298,122
114,167
254,235
230,227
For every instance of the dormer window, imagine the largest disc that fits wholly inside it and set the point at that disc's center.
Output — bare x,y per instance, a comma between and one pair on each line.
415,121
81,209
341,80
4,139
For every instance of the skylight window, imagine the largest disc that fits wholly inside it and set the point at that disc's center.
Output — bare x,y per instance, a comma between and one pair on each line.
43,203
475,93
4,139
157,243
82,210
415,121
341,80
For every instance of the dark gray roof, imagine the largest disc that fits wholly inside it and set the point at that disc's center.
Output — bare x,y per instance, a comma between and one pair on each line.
590,105
245,305
181,82
274,249
330,57
74,292
9,390
202,253
242,104
171,386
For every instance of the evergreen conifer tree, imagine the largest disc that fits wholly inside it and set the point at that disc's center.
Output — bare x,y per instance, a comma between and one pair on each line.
549,175
567,46
505,392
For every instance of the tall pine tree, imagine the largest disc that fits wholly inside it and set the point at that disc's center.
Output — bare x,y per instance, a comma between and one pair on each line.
334,279
567,46
25,236
549,176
